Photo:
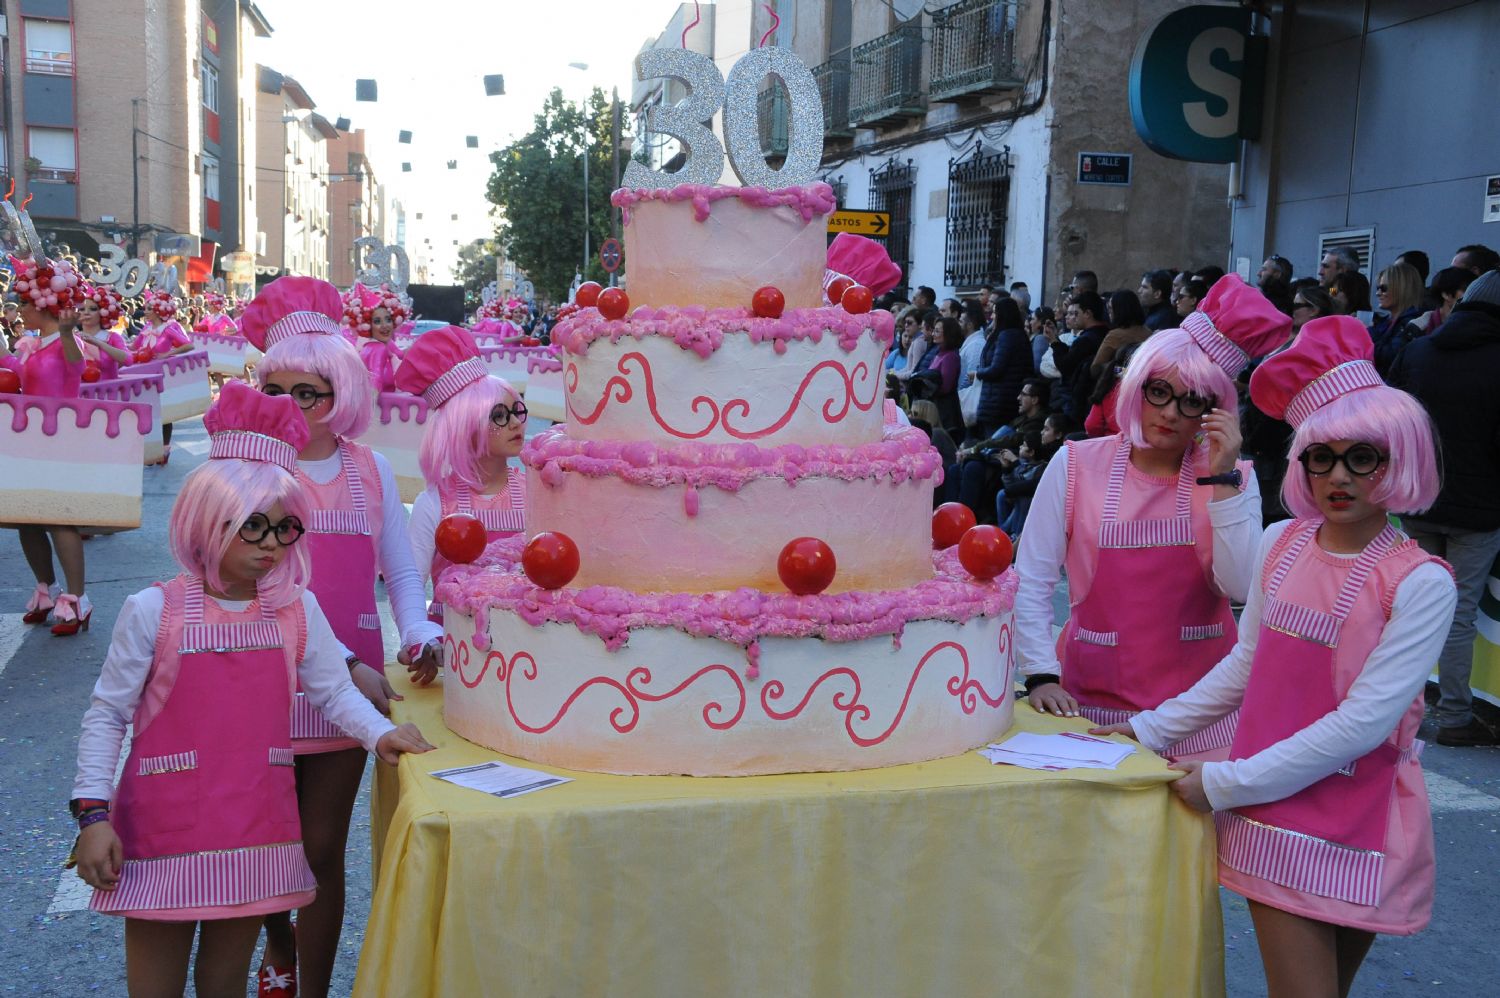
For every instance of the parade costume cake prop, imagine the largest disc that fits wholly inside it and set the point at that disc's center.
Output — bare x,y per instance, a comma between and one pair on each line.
185,389
75,461
701,440
144,389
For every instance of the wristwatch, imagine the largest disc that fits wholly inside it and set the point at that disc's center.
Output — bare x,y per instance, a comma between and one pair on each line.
1233,477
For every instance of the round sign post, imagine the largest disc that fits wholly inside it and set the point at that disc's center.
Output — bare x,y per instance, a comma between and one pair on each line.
610,255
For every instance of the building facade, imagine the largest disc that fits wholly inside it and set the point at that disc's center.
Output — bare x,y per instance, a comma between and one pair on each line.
90,85
292,177
1373,135
356,205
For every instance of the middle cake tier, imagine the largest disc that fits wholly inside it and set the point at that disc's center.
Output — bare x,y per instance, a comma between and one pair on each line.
698,518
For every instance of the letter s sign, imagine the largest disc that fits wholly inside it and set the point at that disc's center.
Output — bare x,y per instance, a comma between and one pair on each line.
1195,84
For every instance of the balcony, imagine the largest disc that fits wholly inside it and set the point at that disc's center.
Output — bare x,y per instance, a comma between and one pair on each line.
885,79
833,86
973,49
772,121
56,175
49,63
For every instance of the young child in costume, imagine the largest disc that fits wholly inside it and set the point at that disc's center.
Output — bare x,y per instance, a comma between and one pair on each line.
356,531
1321,809
1155,525
475,424
203,829
52,364
373,315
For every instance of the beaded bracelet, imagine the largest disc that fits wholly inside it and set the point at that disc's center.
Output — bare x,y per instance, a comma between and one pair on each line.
92,818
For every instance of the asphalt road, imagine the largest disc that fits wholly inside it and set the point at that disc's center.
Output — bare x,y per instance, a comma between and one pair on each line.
51,945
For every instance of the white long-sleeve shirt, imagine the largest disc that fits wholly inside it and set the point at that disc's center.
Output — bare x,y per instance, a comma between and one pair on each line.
1393,676
122,682
970,352
393,560
1039,561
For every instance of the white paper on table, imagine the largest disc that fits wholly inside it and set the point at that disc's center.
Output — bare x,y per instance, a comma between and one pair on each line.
499,779
1069,750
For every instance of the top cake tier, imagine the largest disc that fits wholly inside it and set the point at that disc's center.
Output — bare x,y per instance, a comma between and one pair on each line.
714,246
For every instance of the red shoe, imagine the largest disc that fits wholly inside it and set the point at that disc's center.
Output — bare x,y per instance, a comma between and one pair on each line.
276,982
39,607
72,614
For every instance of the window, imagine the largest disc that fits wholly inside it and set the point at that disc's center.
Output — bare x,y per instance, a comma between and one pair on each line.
978,203
49,47
4,150
57,151
211,176
891,191
211,88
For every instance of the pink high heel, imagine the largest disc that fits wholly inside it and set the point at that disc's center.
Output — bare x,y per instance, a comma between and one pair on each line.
39,607
67,614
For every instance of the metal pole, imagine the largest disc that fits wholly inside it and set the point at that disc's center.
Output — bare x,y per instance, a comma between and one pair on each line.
614,216
135,177
585,268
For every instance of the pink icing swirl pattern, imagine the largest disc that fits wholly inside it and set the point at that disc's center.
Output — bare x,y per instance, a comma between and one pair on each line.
810,201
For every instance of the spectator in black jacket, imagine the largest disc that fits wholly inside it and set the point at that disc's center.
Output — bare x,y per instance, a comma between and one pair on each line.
1155,294
1003,367
1452,372
1086,317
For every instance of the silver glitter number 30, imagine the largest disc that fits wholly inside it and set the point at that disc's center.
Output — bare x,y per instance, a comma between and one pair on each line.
686,121
742,119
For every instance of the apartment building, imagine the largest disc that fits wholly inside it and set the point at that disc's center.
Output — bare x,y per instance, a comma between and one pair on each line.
292,141
356,204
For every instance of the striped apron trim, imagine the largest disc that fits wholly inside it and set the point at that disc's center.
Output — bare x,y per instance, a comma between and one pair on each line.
1299,861
177,762
309,722
1105,639
369,622
1202,632
1216,736
208,879
249,635
282,757
1174,531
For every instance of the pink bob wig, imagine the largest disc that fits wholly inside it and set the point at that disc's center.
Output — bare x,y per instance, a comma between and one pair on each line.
457,436
217,497
336,361
1393,422
1169,352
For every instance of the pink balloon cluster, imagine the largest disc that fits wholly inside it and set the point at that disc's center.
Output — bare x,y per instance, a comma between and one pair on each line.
49,285
106,298
360,303
162,303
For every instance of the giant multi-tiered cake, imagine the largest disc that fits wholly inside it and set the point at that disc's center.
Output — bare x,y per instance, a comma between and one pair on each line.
699,441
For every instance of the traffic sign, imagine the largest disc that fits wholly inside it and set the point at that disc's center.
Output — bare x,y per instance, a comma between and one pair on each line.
610,255
861,223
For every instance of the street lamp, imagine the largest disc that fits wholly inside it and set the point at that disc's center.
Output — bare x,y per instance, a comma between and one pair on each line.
583,68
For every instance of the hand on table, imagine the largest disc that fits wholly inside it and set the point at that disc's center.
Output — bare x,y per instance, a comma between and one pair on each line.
1123,728
1051,698
1190,786
399,740
425,669
372,683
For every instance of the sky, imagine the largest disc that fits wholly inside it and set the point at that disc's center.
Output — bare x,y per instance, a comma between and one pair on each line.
429,60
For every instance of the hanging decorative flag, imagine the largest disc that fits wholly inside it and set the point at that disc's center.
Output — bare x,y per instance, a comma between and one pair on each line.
494,85
406,168
453,164
472,141
342,124
365,90
406,137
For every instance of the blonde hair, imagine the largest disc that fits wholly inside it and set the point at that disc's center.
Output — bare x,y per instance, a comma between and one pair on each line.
1405,286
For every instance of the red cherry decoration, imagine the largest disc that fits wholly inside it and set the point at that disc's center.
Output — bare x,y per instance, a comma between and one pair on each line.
806,566
587,294
91,372
143,356
985,551
10,382
858,300
949,522
767,302
460,538
550,559
614,303
837,287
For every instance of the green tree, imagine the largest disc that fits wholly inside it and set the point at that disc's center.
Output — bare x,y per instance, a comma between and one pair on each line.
537,184
475,269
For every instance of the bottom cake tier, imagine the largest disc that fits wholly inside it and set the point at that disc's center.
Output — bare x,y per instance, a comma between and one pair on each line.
725,684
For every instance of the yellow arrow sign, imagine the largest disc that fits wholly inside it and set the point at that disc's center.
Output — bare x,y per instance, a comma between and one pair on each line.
861,223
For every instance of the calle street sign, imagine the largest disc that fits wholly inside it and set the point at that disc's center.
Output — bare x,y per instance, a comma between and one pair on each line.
861,223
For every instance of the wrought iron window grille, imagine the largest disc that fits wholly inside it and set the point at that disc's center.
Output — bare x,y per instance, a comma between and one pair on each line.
892,188
978,207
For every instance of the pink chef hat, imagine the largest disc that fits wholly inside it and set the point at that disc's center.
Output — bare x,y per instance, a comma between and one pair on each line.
1330,358
863,261
291,305
250,426
1236,323
440,364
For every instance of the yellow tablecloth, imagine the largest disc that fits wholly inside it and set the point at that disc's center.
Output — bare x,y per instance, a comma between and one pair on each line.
950,878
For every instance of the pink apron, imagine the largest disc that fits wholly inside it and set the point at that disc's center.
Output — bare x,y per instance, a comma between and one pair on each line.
206,809
1149,624
503,514
345,536
380,360
46,372
1323,852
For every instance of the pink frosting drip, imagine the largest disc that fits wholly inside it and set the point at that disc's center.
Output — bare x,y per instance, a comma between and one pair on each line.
126,389
82,409
904,453
175,363
752,661
810,201
738,616
511,352
235,338
399,407
550,361
702,330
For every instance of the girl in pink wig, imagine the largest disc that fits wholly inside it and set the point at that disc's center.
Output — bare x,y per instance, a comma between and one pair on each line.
1321,808
201,838
475,424
1155,525
356,531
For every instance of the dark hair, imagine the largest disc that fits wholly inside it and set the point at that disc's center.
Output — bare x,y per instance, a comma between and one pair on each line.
1007,314
923,289
1044,313
930,318
987,287
951,335
1043,389
1282,264
1319,299
1482,256
1086,277
1209,275
1355,287
1126,308
1060,423
1159,281
1278,293
1019,284
1032,439
1305,282
1196,289
1417,260
1451,280
1088,301
1108,378
974,313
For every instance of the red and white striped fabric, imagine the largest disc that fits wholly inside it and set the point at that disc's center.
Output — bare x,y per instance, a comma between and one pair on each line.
1220,349
458,377
1300,861
249,446
1341,380
295,323
206,880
